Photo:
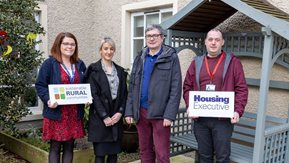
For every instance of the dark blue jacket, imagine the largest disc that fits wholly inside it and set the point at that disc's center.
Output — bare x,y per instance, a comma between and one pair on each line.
49,73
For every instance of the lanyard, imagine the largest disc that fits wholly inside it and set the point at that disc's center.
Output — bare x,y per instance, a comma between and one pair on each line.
71,76
216,67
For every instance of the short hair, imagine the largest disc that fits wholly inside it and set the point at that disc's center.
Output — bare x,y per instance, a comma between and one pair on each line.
56,52
216,30
107,40
155,26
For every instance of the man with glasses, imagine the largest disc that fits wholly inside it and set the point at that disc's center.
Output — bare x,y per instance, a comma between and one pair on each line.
154,95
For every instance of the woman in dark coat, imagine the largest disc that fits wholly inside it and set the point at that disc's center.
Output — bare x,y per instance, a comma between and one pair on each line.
109,92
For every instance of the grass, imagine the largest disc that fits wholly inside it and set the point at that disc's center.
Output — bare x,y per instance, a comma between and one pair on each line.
44,145
33,136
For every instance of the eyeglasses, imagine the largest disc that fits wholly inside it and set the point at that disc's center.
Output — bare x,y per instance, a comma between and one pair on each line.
154,36
68,44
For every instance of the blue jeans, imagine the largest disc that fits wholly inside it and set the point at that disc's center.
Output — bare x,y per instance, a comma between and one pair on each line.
214,137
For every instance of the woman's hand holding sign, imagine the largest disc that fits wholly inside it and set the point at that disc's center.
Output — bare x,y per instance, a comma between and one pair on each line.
50,105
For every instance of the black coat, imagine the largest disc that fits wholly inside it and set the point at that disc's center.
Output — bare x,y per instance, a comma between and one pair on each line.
102,106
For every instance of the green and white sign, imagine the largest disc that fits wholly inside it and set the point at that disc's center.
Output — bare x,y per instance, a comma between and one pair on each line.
66,94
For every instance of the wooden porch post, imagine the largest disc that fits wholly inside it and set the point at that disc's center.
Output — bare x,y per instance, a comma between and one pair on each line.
168,39
263,92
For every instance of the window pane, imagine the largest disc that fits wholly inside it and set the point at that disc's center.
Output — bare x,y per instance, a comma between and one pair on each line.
138,26
140,21
137,46
152,19
37,18
166,15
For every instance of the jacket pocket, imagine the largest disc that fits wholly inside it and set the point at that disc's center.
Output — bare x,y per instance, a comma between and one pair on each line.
134,78
163,71
164,66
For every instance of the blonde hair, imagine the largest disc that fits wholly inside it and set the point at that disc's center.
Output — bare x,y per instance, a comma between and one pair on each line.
107,40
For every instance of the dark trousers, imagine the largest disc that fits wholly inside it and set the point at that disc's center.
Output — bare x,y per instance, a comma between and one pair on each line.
154,139
214,137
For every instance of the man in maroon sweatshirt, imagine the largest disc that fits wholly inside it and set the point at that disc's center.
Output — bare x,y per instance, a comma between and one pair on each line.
217,71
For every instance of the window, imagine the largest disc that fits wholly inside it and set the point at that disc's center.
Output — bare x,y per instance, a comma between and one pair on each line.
31,96
135,18
140,21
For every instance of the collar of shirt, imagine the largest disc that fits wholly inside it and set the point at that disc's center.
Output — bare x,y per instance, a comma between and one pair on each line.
153,56
105,69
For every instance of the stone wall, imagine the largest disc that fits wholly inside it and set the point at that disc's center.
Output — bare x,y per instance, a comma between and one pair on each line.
278,100
77,17
281,4
90,21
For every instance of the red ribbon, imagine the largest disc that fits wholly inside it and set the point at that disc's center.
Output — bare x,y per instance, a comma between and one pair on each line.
216,67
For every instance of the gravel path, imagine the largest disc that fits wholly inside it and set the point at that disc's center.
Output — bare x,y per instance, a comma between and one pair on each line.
8,157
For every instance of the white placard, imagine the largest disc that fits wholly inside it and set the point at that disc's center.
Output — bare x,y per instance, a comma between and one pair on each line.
211,104
66,94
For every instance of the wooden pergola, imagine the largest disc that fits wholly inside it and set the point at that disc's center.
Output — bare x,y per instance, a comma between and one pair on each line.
187,28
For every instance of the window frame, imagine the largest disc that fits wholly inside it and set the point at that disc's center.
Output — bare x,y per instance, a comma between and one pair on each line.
126,26
43,46
145,14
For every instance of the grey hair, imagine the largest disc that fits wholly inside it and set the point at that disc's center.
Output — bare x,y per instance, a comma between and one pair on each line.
155,26
107,40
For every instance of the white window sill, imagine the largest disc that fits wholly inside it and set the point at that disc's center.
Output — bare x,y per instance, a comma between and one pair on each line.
32,117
